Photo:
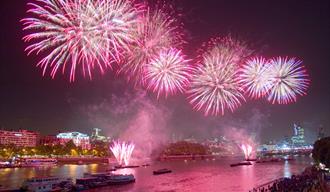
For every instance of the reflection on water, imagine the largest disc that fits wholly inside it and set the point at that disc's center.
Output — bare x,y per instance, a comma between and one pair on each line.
287,171
212,175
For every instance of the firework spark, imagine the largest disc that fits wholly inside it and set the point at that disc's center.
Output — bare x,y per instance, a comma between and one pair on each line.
122,151
255,78
80,33
288,78
215,84
168,73
159,30
247,150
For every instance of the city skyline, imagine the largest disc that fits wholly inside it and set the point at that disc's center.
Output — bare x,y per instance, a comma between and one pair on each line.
41,104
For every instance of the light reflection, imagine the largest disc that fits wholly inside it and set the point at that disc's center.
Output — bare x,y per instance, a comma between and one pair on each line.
72,170
286,169
125,171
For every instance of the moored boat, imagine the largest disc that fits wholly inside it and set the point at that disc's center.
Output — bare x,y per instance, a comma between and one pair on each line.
118,179
38,161
241,163
46,184
94,180
162,171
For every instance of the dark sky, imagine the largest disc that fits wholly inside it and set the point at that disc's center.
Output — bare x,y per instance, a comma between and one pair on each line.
299,28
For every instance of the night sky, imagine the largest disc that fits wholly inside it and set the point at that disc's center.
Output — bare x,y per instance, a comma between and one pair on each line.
294,28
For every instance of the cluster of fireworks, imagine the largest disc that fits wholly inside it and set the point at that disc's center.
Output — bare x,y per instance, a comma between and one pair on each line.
145,43
122,151
247,150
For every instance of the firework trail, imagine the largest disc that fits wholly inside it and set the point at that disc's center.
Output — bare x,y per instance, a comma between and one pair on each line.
158,31
122,151
255,78
288,78
80,33
247,150
215,84
168,73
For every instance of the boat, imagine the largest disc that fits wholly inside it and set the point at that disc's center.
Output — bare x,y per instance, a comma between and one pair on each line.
162,171
146,165
117,179
94,180
87,182
46,184
241,163
38,161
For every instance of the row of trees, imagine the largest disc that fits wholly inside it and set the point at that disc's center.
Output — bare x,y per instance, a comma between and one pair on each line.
321,151
186,148
99,149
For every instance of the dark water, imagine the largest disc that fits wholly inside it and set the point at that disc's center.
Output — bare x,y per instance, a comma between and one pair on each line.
200,175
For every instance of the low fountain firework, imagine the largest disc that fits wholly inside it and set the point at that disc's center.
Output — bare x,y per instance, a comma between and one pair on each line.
247,150
122,151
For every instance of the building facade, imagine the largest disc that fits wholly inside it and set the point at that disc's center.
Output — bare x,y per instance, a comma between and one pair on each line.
79,139
20,138
298,138
97,137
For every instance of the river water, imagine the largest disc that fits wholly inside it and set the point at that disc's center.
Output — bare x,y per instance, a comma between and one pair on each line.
193,175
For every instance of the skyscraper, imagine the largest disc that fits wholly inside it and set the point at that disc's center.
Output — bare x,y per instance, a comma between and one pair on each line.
298,138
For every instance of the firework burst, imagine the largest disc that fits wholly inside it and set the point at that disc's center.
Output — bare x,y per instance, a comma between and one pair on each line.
247,150
159,30
122,151
80,33
215,84
255,78
168,73
288,79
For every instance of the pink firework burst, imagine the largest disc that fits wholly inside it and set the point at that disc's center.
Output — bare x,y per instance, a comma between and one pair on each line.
80,33
288,79
255,78
122,151
215,84
247,150
168,73
159,30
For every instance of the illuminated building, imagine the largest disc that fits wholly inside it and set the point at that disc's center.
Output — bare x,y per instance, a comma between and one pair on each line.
96,136
79,139
298,138
20,138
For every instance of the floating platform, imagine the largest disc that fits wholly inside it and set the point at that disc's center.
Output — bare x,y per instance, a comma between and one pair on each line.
126,166
241,163
162,171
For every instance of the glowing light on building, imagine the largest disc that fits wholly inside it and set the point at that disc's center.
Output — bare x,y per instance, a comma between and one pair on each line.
79,139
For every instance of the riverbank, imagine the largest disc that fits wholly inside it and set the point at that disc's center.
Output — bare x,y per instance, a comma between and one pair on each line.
61,160
83,160
186,157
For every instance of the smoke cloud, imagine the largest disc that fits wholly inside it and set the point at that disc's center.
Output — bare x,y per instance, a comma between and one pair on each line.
135,118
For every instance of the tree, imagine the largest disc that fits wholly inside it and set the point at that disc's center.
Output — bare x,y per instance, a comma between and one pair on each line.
70,147
186,148
321,151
